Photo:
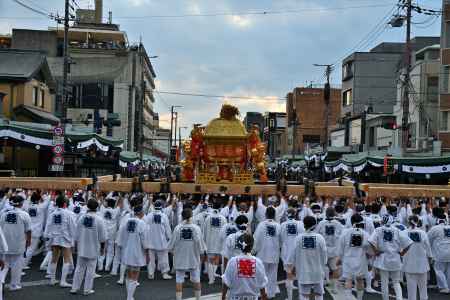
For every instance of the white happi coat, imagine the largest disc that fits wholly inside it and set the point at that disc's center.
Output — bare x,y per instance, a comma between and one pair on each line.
60,228
415,261
187,245
331,230
309,257
90,233
159,230
212,228
289,232
439,236
389,242
268,241
38,215
226,231
231,248
110,218
244,276
15,223
352,248
133,239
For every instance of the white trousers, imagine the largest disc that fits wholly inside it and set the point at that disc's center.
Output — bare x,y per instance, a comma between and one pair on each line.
163,261
117,259
109,250
85,266
395,277
442,270
272,286
414,282
15,263
32,249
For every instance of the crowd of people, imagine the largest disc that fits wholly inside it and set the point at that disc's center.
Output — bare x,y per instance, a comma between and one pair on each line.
352,244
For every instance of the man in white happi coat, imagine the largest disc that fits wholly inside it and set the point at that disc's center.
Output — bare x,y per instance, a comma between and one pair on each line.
389,245
290,229
16,225
160,235
352,249
37,210
244,277
110,212
90,237
133,240
267,248
187,246
212,228
415,261
439,236
331,230
309,259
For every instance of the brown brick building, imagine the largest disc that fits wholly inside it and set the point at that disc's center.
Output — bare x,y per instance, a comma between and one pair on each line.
309,106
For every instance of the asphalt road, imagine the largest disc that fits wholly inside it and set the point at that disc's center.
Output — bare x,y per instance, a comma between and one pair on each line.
36,287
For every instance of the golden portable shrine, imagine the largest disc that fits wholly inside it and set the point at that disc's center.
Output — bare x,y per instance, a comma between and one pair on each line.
224,152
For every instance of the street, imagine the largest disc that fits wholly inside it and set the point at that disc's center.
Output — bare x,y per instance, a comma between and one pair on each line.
36,287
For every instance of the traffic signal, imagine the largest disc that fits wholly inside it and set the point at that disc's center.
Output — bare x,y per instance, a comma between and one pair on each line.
390,126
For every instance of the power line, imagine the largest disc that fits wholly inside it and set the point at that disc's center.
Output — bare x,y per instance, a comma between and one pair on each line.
223,96
31,8
369,35
239,13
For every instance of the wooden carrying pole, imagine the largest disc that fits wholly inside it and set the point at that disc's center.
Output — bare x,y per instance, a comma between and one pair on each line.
126,185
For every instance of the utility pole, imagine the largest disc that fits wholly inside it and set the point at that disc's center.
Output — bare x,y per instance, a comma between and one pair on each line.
175,131
326,96
405,117
66,62
171,124
294,124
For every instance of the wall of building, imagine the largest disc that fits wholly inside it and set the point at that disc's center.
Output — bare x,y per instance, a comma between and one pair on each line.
444,86
374,82
27,39
311,113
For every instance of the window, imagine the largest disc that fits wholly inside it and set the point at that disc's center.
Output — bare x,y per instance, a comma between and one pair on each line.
41,99
445,80
271,123
347,71
35,95
347,98
444,121
432,88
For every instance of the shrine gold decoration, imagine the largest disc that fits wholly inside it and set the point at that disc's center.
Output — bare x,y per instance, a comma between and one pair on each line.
224,152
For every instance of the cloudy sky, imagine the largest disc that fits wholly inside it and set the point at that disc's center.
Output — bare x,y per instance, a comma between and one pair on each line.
220,47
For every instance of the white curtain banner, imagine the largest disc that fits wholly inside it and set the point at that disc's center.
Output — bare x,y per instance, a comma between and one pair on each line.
90,142
426,170
25,137
374,164
123,164
359,168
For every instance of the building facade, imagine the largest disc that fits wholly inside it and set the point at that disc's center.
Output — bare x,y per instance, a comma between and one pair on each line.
252,118
306,117
110,81
27,93
423,123
274,130
369,79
